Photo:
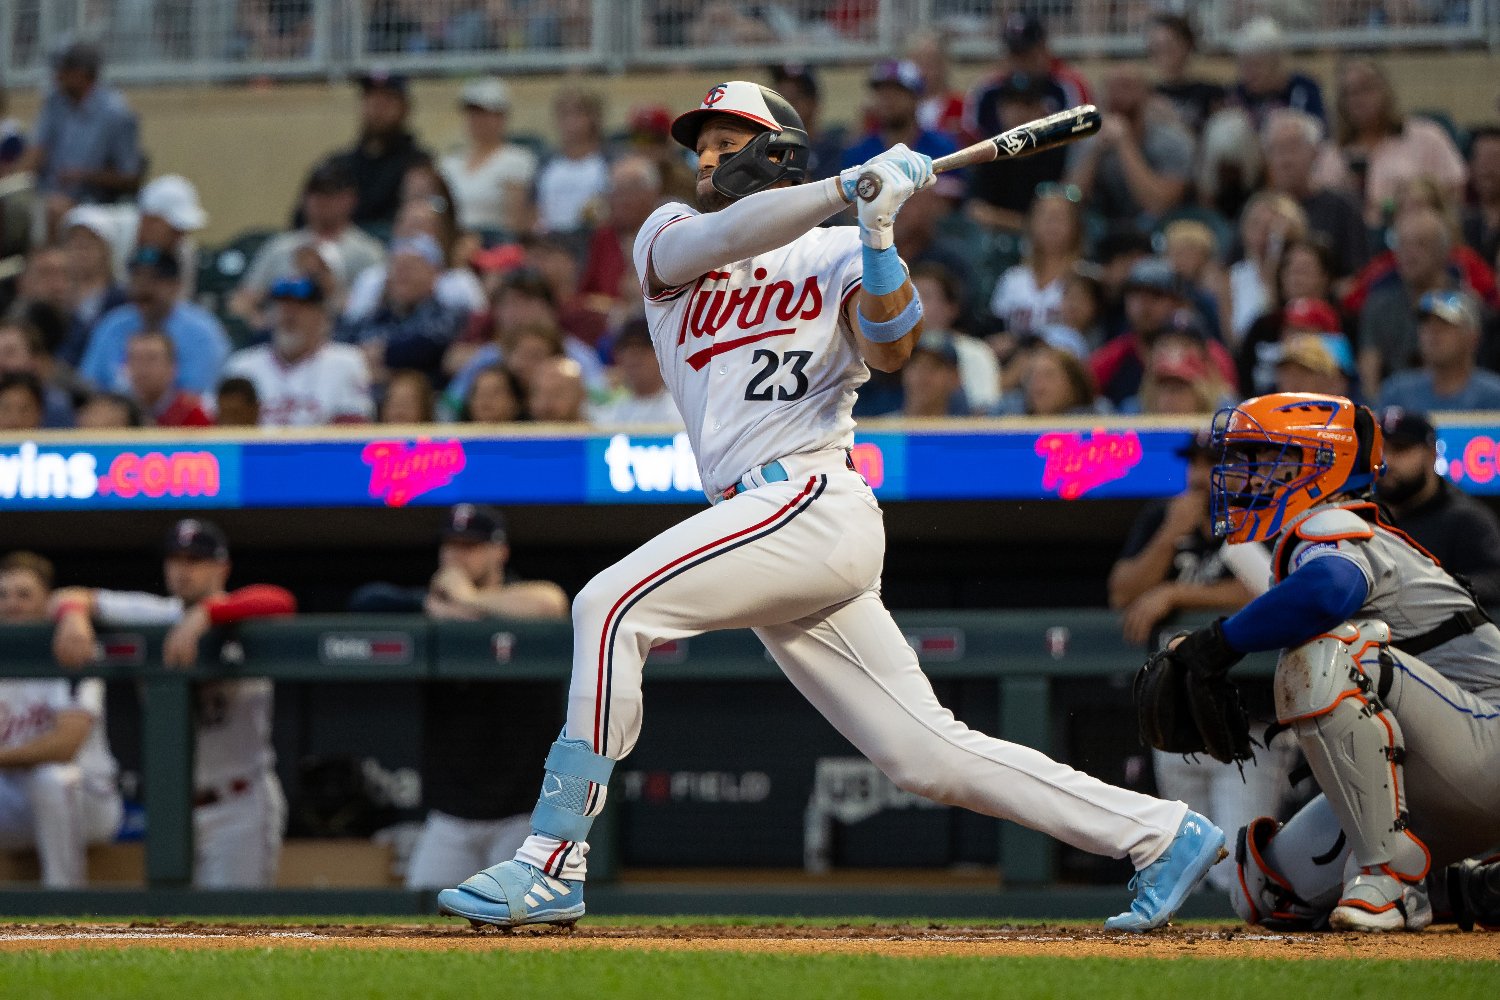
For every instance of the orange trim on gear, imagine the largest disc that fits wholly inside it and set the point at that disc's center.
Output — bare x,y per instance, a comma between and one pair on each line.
1351,693
1360,904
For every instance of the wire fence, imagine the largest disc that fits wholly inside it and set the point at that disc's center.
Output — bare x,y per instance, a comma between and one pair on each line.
199,40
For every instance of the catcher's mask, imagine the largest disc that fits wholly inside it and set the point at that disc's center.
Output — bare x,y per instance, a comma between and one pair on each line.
1282,453
780,152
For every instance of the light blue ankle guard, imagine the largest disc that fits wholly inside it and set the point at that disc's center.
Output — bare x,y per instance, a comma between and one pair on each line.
571,766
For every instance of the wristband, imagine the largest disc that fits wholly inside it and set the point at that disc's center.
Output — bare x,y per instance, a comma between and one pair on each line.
891,330
66,608
884,272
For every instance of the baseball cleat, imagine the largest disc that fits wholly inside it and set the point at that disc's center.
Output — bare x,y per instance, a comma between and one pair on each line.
514,893
1375,901
1161,886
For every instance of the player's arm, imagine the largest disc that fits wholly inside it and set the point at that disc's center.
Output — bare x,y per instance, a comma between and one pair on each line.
58,745
532,599
73,639
180,647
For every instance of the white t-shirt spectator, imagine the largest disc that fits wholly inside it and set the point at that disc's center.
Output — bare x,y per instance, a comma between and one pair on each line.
564,189
329,386
358,251
457,288
626,410
1022,303
480,191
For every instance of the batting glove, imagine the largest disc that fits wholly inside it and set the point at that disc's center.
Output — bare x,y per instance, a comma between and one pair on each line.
877,217
917,167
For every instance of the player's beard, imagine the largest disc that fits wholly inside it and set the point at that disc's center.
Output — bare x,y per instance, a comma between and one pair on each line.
1397,491
711,201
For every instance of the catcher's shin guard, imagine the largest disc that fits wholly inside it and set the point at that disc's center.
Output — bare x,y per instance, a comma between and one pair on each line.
1262,893
1329,691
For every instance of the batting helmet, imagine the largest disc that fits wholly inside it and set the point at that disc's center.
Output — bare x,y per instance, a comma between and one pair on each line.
780,152
1280,454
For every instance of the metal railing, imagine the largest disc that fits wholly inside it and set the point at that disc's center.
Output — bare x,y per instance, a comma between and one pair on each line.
193,40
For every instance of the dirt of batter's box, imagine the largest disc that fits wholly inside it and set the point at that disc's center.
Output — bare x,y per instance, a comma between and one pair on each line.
909,940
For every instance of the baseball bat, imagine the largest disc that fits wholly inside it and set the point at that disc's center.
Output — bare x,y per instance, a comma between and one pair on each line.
1023,140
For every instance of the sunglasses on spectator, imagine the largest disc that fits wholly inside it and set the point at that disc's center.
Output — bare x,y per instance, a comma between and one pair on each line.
1052,189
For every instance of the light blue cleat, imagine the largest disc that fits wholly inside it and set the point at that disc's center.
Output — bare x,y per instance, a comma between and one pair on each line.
1163,885
514,893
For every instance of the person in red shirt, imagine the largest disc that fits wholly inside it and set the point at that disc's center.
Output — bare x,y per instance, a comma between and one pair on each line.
609,290
151,371
942,108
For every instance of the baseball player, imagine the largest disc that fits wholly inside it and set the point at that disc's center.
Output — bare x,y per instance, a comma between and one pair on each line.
1389,679
58,790
764,324
238,808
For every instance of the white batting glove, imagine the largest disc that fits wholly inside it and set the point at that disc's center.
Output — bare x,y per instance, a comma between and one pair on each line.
916,166
877,217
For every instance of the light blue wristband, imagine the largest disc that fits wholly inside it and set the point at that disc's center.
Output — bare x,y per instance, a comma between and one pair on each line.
891,330
884,272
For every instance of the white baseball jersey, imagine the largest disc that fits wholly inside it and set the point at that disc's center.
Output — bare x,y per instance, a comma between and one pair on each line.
756,353
327,386
29,708
232,731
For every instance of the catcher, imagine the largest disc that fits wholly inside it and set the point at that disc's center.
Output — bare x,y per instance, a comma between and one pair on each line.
1389,677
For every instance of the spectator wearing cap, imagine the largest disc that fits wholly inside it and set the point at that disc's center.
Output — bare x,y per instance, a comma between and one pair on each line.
89,238
1481,223
1138,167
1261,350
155,303
329,197
1449,379
1270,221
1117,253
22,402
577,175
649,134
798,83
1293,145
896,87
21,351
942,107
1026,49
412,327
301,378
458,287
167,214
86,145
1387,320
151,374
239,812
1460,532
609,290
930,382
1000,194
490,177
237,403
1170,44
479,813
1265,82
642,399
1154,307
944,314
385,149
1310,362
1179,381
1029,295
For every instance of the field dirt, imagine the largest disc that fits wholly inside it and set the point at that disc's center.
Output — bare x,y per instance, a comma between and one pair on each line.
909,940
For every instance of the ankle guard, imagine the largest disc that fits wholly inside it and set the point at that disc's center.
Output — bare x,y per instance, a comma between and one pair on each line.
572,771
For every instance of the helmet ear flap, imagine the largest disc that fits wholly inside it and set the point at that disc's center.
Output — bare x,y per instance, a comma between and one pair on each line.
1365,436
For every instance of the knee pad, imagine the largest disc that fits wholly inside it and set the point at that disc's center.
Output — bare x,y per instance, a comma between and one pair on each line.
1345,662
1261,894
568,803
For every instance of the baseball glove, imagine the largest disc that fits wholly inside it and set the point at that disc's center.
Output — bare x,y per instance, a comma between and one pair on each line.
1186,702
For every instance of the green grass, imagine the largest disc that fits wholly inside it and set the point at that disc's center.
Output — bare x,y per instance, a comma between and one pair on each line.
617,920
327,973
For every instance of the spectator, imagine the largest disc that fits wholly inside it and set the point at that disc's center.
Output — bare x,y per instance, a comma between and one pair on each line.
301,379
21,351
555,392
86,146
239,812
798,83
58,790
1178,381
1386,151
1230,166
329,196
108,411
643,399
167,214
199,339
12,138
88,238
920,235
480,814
1193,251
609,291
1311,362
649,134
942,107
1265,83
1083,304
151,374
22,402
490,177
45,293
578,174
1260,352
942,314
409,399
1448,339
1029,295
495,397
1173,570
1460,532
1118,252
930,383
385,150
1057,384
896,88
1293,143
1000,193
412,327
1138,167
1024,36
238,403
457,287
1269,223
1482,219
1387,327
1170,44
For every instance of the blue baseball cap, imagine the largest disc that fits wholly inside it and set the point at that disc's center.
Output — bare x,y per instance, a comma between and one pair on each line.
296,288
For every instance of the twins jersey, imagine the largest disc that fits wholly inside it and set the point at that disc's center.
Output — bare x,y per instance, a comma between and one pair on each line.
331,385
29,708
232,719
756,353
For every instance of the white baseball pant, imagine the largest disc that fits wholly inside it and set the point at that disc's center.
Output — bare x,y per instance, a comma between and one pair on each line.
52,808
237,840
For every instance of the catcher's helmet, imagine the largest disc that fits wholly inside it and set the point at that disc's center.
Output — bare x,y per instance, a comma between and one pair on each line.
757,165
1323,445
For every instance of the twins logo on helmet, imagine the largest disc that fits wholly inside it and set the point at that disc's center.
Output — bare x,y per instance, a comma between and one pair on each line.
780,152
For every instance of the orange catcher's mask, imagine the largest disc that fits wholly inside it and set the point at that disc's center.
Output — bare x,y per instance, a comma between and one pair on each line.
1280,454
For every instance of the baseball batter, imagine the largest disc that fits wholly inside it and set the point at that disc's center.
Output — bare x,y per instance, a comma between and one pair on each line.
1390,678
764,324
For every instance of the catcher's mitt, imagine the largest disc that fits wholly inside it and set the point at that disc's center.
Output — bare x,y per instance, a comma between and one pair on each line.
1186,703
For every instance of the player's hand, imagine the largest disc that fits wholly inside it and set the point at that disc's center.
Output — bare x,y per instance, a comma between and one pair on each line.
877,216
916,167
74,644
180,648
1147,611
